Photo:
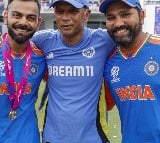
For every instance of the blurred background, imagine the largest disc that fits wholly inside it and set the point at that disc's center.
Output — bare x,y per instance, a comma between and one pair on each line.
151,8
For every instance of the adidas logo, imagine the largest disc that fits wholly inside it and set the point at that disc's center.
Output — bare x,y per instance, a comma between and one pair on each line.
50,55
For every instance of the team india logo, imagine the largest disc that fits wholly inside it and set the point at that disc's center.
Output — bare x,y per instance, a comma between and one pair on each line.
89,53
33,69
151,68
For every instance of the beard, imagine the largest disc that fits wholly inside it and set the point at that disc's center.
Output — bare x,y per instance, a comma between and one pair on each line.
19,38
124,41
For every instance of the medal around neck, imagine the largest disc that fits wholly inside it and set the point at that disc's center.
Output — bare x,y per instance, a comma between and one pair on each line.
15,95
12,114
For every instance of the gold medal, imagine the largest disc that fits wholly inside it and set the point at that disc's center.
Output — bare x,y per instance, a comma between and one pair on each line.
12,114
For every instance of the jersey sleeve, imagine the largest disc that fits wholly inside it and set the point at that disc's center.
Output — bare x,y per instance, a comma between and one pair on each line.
109,100
108,41
41,37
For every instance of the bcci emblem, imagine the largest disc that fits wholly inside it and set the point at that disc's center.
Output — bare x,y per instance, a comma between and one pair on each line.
89,53
151,68
33,69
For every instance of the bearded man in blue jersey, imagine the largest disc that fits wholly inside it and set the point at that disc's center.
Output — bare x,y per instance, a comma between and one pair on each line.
75,57
22,69
132,71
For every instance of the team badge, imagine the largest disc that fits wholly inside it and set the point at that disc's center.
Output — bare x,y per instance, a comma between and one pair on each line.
114,74
33,69
151,68
89,53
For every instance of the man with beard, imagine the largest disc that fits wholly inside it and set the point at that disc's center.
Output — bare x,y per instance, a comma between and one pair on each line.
132,71
22,68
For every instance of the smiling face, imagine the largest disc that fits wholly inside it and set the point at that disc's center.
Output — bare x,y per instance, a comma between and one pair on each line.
22,19
123,22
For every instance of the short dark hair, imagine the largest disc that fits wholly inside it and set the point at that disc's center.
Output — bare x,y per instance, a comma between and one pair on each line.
36,1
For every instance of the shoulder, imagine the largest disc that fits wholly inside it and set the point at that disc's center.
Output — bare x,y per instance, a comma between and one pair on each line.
101,34
98,32
154,39
36,50
45,38
46,33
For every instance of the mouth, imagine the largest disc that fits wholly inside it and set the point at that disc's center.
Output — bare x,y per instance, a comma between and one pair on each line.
66,27
21,30
121,31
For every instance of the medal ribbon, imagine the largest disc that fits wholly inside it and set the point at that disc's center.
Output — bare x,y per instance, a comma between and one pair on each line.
15,95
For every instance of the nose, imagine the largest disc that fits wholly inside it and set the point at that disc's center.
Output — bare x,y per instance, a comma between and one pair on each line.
65,16
118,22
23,20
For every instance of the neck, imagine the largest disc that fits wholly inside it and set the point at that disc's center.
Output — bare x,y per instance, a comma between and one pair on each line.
73,39
136,43
16,47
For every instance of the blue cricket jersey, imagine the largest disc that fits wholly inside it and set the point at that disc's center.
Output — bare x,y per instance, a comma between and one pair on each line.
74,78
23,129
134,81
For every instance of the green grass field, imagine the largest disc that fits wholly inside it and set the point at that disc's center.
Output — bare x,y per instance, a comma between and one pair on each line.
113,119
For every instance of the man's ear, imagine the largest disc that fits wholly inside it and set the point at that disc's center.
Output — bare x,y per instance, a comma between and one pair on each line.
142,16
39,22
87,14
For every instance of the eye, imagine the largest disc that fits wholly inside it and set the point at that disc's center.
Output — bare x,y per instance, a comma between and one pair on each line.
59,11
110,18
74,11
16,15
32,18
125,15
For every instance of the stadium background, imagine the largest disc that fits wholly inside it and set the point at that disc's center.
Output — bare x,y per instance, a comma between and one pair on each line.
151,8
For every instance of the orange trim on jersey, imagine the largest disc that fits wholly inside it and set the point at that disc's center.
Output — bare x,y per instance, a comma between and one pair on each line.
154,39
36,50
22,55
14,55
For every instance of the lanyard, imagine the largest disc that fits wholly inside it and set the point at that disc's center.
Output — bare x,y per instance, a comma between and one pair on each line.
15,95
